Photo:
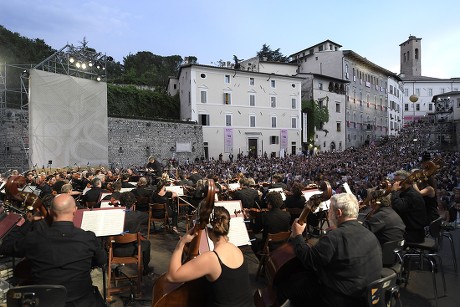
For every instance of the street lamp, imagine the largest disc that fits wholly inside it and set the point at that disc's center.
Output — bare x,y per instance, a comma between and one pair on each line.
414,99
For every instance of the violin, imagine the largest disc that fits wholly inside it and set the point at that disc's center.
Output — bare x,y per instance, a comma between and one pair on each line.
191,293
282,262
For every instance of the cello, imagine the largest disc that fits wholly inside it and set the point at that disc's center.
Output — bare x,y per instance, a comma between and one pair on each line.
283,262
190,293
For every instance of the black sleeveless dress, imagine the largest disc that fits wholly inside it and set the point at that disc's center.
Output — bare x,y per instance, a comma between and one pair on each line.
231,288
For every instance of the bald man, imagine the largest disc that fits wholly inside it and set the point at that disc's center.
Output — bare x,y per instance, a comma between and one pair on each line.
64,255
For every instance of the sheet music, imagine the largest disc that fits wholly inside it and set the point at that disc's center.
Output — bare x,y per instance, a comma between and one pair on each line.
175,188
233,186
122,190
134,183
322,206
347,188
104,222
280,190
238,233
231,206
85,190
103,195
106,204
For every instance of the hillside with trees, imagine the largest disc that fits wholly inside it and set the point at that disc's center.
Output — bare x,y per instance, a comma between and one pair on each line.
124,99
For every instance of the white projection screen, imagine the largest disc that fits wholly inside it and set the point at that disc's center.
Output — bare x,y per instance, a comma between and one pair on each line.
67,120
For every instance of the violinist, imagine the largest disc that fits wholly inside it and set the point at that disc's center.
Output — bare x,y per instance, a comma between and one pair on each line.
410,206
248,196
382,220
61,254
225,268
277,182
340,266
272,221
161,196
43,186
93,195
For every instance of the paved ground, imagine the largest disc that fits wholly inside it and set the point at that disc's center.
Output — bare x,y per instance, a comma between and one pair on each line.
418,292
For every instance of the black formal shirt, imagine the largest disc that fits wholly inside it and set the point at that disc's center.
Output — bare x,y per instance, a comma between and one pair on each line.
410,206
345,260
386,225
247,196
273,221
62,255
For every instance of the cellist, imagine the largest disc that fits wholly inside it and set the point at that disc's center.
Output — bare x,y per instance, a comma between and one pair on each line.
340,266
225,268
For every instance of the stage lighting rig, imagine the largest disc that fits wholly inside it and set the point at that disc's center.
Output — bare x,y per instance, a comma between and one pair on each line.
79,61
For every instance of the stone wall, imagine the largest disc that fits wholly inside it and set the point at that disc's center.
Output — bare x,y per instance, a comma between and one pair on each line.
131,142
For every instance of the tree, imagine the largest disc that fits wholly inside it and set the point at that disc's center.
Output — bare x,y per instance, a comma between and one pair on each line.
317,115
267,54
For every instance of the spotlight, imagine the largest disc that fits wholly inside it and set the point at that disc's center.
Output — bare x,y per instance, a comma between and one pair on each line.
71,59
98,65
90,64
83,65
78,64
98,78
25,73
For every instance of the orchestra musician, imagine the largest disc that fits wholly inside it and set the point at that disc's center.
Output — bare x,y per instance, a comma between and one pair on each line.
60,254
154,166
382,220
272,221
410,206
340,266
277,182
225,268
93,194
161,196
248,196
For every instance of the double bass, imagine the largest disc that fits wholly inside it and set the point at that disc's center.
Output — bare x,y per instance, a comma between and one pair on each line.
190,293
283,262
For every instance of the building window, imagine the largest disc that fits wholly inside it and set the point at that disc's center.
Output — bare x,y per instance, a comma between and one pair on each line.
416,53
252,100
227,79
406,92
273,83
203,119
293,122
406,107
203,96
294,103
417,107
274,139
227,98
228,120
339,127
320,85
430,92
417,92
273,121
430,107
458,102
337,107
273,101
251,81
252,121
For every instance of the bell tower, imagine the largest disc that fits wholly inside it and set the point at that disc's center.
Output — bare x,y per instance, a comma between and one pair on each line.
411,57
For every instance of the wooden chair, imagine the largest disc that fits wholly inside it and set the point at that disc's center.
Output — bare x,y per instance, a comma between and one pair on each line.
156,207
113,280
142,203
272,238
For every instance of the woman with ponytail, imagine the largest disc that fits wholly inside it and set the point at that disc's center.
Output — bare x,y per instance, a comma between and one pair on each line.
224,268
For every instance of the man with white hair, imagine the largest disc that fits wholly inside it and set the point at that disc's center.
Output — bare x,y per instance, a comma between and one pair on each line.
340,266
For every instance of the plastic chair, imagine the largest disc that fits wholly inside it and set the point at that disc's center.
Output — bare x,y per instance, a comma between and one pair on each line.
272,238
155,209
446,233
427,250
391,258
383,292
37,295
114,279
